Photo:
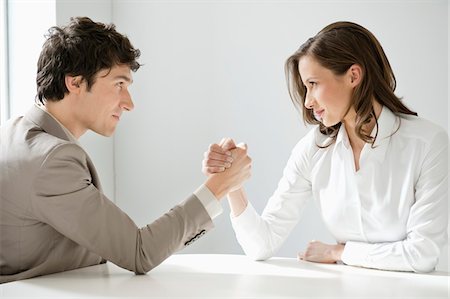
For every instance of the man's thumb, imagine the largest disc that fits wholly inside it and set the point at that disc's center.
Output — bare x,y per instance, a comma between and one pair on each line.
228,144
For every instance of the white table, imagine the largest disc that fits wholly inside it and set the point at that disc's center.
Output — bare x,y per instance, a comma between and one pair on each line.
231,276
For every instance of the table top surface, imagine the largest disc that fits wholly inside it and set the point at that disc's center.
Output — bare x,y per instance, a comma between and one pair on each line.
232,276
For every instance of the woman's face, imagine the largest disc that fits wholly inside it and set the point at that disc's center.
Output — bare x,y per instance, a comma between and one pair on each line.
328,95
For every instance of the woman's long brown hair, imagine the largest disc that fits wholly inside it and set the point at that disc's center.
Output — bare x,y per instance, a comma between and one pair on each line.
337,47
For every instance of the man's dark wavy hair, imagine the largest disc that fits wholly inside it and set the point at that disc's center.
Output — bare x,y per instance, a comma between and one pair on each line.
82,48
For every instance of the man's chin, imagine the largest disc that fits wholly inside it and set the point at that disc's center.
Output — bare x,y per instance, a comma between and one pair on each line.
105,133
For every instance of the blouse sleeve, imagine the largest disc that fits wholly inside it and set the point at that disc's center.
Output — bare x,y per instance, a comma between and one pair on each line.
261,236
426,226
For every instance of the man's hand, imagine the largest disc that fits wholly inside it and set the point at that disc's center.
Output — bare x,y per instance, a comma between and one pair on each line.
322,253
218,157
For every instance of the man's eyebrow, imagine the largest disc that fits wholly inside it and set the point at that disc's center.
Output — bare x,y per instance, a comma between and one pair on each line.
126,78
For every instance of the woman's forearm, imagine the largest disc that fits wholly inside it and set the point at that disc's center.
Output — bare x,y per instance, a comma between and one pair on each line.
238,201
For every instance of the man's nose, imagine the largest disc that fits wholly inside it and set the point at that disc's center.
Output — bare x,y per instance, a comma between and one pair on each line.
127,103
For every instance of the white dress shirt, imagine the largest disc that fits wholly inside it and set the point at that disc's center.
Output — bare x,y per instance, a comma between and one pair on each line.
391,214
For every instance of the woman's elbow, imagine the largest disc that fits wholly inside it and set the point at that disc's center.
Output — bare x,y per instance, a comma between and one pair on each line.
258,255
425,264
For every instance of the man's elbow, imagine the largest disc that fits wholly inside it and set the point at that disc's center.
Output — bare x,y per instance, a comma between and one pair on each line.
142,271
145,266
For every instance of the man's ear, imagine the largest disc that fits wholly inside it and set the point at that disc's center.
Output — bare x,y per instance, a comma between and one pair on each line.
355,73
73,84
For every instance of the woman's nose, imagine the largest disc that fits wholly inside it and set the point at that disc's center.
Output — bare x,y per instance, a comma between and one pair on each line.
309,101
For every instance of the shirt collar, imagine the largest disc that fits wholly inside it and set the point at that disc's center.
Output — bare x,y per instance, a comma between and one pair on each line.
342,137
388,123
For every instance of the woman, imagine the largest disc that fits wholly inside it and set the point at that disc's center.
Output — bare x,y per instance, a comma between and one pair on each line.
378,171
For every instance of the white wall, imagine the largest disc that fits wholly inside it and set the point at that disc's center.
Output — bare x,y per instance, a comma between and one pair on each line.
445,262
215,69
4,85
25,44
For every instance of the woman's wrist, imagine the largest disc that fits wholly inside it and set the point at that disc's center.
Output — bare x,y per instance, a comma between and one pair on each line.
337,252
238,201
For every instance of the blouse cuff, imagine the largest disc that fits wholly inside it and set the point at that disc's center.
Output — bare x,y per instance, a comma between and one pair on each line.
356,253
246,220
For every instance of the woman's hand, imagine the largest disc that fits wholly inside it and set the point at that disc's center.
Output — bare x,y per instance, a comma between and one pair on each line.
322,253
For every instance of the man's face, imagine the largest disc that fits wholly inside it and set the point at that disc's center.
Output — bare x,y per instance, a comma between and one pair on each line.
101,107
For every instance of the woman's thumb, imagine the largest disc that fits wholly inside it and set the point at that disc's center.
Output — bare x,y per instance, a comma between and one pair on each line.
242,145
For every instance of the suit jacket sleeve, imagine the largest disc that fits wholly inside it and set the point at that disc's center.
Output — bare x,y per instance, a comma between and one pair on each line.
65,198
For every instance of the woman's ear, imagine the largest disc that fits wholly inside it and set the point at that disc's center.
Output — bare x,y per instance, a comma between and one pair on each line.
73,84
355,74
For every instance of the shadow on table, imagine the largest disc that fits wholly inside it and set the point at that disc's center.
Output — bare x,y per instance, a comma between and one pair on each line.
339,268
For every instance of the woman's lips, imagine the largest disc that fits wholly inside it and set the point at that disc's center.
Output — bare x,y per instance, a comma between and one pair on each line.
318,114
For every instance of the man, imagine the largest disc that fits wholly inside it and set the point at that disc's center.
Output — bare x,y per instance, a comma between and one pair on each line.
54,216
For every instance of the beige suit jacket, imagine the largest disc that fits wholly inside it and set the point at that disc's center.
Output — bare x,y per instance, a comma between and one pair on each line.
54,216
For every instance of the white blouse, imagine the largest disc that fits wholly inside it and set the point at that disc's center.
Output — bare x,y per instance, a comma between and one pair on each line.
391,214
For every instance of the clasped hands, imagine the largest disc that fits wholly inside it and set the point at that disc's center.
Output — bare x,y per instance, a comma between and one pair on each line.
220,158
227,166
